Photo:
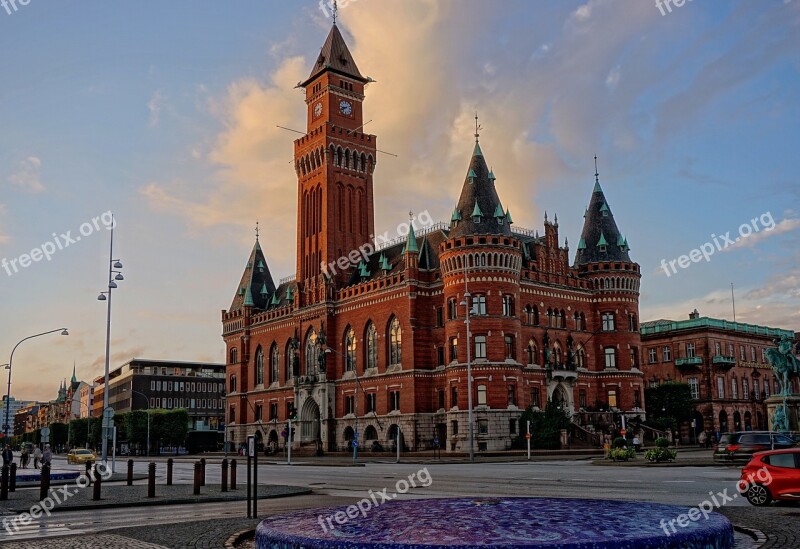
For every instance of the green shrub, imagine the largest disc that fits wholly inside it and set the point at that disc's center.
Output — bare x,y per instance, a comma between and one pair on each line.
662,442
619,442
659,455
621,454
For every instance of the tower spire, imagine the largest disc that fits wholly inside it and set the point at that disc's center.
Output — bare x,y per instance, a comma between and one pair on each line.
596,173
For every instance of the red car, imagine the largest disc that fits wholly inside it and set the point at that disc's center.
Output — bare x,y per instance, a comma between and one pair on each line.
772,475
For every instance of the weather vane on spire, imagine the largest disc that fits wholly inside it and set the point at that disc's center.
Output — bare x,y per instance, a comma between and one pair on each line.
478,128
256,230
596,173
335,9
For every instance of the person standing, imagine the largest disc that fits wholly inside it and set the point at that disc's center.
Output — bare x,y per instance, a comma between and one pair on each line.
8,456
23,458
37,457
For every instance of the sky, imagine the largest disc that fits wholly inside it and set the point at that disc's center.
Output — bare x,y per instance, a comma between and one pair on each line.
166,114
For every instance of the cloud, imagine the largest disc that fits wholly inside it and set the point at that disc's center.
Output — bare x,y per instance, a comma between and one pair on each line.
155,105
27,177
3,236
784,226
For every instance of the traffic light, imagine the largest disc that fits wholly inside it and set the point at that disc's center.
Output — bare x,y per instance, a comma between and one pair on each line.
292,412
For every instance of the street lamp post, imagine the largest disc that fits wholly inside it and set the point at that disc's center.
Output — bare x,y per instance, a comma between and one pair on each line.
147,402
113,265
465,303
63,331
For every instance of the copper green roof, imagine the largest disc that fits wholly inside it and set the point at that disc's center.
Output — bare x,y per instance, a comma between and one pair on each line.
476,211
582,244
456,215
508,216
411,241
602,241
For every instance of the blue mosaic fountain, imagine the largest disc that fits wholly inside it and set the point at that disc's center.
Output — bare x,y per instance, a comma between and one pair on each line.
497,522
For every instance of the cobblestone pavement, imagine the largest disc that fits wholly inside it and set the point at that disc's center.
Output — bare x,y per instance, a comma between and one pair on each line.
779,522
80,542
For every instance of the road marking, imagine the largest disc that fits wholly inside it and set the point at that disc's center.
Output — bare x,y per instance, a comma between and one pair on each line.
36,531
683,481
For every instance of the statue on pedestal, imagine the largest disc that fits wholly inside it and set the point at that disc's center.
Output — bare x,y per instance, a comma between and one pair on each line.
785,365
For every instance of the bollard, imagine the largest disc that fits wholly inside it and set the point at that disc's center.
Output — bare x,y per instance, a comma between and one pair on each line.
169,472
12,480
130,472
224,475
4,483
151,480
233,474
44,486
197,472
88,472
98,482
203,475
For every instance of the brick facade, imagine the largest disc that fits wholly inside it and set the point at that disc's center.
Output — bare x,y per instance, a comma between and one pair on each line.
393,317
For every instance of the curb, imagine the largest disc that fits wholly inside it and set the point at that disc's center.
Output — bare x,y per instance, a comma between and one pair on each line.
607,463
759,538
238,537
152,503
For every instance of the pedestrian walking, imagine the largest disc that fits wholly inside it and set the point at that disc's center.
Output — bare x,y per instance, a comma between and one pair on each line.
23,458
37,457
47,455
8,455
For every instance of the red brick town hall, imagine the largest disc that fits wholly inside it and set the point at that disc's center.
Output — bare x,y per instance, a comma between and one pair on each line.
383,345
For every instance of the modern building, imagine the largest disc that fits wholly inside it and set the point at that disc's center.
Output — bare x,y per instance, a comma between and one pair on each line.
724,363
142,384
14,406
367,341
26,420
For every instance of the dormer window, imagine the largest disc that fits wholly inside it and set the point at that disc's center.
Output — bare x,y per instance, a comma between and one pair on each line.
476,213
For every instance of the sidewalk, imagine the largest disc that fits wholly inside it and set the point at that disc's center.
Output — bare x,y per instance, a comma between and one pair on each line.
76,498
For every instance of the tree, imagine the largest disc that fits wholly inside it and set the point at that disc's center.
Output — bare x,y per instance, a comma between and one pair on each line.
170,427
546,425
79,432
58,434
668,404
135,426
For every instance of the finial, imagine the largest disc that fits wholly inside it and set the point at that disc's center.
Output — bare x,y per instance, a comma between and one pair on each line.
411,216
335,9
596,173
478,127
257,231
556,219
545,216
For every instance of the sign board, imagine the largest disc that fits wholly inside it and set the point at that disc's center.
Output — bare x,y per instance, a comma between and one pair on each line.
528,436
251,446
108,413
355,444
623,432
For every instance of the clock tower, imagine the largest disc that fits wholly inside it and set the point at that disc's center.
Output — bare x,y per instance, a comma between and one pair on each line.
334,162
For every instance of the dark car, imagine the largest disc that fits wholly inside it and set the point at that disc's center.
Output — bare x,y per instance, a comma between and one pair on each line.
742,445
773,475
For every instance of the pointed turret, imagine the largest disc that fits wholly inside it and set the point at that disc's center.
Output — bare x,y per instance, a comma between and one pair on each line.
479,210
256,285
600,238
335,57
74,377
411,241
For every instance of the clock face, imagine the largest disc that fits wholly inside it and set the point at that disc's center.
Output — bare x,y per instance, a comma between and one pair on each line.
345,108
318,109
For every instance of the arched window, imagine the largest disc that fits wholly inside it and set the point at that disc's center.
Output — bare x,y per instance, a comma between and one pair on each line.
580,358
289,361
259,366
533,352
234,355
395,342
274,364
371,346
233,384
535,315
311,353
350,350
557,356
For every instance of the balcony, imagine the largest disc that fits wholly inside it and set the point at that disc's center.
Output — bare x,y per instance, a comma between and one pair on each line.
562,372
689,363
724,362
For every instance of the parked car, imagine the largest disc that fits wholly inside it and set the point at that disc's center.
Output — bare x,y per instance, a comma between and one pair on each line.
742,445
80,455
773,475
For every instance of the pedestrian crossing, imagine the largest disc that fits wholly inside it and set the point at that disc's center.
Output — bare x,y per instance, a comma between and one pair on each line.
16,531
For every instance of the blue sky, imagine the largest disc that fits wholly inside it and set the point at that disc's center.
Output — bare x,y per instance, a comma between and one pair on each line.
165,114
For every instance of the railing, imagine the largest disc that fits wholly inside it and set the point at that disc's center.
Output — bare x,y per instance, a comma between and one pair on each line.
581,433
654,433
656,327
723,359
689,361
440,226
286,280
